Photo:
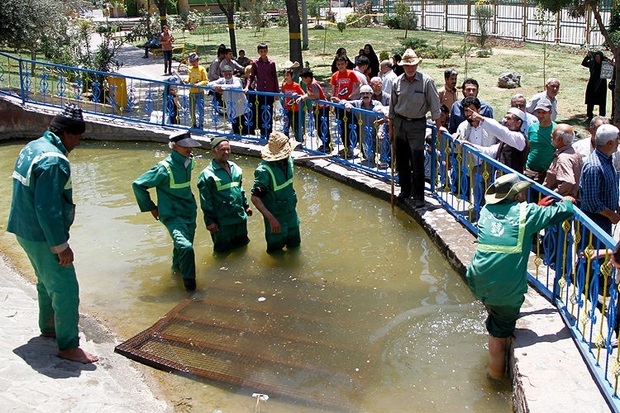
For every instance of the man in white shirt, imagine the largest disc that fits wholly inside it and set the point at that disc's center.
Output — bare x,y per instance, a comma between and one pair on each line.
387,75
518,101
552,87
471,130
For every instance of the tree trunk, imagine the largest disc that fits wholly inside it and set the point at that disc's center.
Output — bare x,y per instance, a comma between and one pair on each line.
294,32
231,32
615,93
162,6
229,11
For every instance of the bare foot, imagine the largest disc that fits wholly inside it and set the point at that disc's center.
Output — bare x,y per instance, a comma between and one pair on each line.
77,354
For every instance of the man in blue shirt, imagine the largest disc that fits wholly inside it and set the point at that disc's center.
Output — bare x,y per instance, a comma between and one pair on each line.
598,186
470,87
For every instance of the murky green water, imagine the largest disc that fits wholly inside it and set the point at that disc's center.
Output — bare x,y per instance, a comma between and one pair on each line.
432,354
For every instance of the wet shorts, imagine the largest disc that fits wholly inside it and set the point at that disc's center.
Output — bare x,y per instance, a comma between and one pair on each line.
502,320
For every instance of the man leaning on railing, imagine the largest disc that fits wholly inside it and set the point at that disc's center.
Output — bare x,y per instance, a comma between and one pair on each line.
598,186
497,274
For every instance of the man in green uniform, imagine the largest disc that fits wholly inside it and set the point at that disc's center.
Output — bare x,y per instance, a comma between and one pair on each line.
177,205
223,200
497,273
42,212
274,196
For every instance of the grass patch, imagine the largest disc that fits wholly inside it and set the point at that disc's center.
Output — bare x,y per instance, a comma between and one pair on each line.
525,58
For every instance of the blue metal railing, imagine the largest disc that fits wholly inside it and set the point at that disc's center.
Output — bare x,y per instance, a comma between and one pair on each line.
570,264
323,127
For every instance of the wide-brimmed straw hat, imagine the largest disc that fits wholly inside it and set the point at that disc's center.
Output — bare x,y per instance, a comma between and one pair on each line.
279,147
505,187
409,58
290,65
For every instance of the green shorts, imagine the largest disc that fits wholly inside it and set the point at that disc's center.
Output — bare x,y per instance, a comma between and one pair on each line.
502,320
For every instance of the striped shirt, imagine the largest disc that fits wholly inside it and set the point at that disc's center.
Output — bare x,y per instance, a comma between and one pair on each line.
598,185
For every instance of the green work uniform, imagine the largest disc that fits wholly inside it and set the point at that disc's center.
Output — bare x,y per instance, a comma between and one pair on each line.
176,206
42,213
497,273
224,203
275,179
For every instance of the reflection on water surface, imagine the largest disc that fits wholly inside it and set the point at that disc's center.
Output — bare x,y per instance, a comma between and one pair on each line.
358,264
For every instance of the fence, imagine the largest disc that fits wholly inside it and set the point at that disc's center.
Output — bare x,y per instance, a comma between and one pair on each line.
570,264
512,19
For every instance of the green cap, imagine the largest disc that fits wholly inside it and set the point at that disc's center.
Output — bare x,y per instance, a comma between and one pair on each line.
217,141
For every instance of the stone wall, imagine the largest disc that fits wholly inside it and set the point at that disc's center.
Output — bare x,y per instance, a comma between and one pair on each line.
30,121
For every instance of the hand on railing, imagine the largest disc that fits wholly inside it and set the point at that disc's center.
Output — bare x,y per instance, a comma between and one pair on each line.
546,201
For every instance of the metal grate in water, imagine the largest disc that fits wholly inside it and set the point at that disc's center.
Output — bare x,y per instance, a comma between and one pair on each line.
273,346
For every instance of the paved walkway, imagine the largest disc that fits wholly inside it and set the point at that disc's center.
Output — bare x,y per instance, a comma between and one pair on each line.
34,379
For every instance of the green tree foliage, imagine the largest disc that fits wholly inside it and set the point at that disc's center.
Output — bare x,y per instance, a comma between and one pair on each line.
315,6
484,14
37,25
407,20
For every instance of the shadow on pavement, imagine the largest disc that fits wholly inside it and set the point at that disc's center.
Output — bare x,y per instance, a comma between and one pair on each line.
40,354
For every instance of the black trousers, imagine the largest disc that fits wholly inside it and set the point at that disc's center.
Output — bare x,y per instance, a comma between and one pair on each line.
409,152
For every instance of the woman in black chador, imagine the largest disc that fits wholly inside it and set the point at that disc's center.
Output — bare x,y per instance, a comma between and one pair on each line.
596,91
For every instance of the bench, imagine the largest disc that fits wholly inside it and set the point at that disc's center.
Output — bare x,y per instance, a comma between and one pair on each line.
181,53
157,52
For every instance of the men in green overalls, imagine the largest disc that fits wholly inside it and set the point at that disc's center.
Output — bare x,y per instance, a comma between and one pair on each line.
177,205
223,200
497,273
274,196
42,212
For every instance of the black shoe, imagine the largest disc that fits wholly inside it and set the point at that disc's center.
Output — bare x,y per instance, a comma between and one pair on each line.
189,283
419,203
402,196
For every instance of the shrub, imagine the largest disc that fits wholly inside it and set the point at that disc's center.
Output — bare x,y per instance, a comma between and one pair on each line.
356,20
392,22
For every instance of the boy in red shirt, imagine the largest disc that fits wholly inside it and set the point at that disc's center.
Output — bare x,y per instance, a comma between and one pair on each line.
293,95
344,82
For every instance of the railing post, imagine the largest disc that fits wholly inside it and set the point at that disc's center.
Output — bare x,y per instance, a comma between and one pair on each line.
433,177
495,17
524,25
21,80
468,16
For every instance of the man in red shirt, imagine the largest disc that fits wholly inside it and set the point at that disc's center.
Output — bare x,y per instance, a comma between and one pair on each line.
344,83
265,78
